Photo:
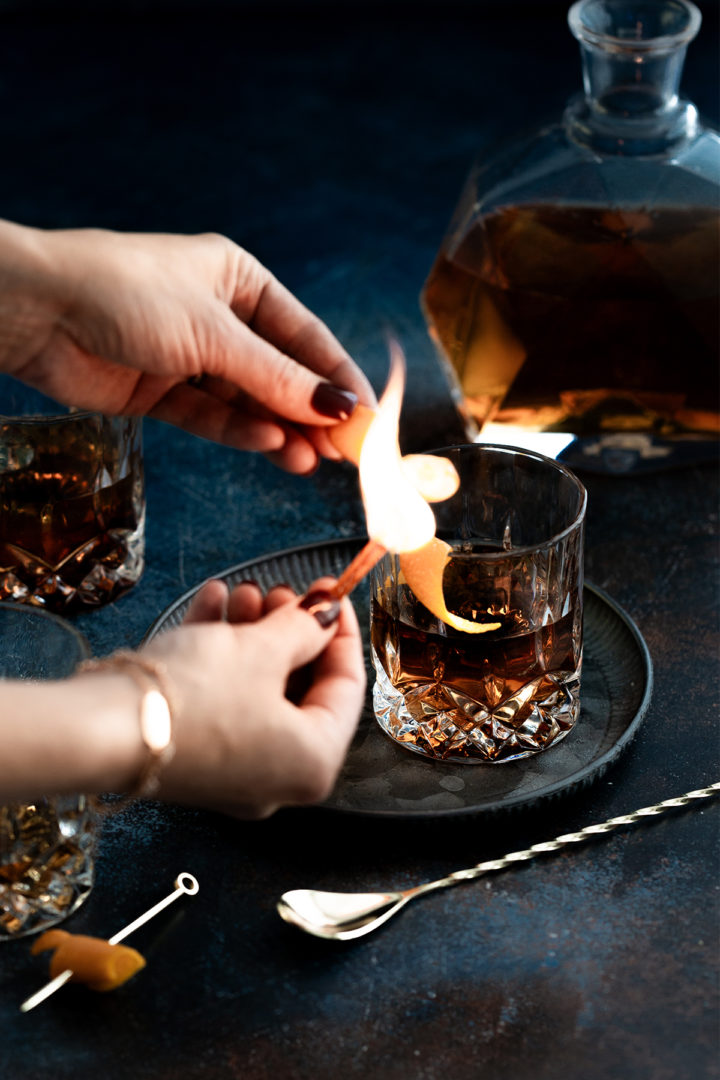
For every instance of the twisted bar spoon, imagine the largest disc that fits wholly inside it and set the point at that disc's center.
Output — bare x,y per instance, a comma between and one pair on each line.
344,916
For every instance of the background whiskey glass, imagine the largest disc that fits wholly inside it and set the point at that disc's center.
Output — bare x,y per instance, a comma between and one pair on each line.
72,503
516,530
46,847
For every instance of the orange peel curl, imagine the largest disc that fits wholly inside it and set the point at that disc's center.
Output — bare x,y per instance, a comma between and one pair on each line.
423,571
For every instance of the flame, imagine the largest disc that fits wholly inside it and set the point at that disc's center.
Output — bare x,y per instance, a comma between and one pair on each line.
435,478
396,492
397,515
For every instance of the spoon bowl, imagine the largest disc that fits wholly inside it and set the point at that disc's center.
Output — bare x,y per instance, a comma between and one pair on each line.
339,916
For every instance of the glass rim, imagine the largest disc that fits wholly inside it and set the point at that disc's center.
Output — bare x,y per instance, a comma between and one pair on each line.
520,451
661,43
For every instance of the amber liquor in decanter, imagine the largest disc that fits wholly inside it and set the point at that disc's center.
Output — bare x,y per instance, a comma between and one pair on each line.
577,289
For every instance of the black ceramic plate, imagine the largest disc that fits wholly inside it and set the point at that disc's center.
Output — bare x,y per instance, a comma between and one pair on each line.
382,778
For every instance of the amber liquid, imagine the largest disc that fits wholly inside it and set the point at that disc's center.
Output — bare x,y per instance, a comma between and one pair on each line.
488,667
65,540
492,696
583,320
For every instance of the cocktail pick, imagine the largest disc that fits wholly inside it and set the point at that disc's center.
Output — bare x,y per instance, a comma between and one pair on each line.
185,885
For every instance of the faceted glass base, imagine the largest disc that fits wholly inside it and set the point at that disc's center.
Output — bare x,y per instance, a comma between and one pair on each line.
72,509
446,724
46,862
96,573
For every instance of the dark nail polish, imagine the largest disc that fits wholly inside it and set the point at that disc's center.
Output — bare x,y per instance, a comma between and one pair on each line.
331,401
323,606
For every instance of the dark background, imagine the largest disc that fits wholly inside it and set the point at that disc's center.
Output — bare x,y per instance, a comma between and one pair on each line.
332,141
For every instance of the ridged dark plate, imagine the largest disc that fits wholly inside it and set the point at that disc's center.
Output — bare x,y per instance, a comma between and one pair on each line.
382,778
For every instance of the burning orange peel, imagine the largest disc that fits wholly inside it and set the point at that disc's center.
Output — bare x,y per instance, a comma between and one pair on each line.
93,961
347,437
423,570
434,477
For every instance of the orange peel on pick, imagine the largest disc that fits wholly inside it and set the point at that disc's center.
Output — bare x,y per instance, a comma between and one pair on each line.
51,939
93,961
423,570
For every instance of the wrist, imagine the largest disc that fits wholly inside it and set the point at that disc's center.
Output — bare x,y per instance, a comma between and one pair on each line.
155,715
108,747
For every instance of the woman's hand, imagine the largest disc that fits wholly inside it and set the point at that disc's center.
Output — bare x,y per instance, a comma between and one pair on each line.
268,698
188,329
266,694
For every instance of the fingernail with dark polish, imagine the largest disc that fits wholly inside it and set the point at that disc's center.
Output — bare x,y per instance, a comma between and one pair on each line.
331,401
323,606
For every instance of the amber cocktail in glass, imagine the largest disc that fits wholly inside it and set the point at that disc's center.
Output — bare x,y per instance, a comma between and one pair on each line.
510,688
72,507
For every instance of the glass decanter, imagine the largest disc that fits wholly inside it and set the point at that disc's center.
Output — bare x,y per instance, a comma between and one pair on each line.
576,292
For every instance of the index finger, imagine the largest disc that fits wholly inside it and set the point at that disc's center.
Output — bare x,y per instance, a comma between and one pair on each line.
276,315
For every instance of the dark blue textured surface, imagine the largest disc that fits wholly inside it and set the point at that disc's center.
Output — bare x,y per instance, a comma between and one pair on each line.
333,145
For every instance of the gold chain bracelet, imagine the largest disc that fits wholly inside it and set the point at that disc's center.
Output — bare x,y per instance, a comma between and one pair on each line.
156,716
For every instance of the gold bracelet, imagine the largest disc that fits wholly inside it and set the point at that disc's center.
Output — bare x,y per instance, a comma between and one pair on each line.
156,716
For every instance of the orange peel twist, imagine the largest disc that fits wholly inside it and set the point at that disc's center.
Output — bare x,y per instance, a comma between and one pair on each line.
423,570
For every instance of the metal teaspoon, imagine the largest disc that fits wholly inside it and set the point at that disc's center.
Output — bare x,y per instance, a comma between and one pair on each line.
344,916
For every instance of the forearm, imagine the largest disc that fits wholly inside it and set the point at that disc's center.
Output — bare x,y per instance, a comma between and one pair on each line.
81,734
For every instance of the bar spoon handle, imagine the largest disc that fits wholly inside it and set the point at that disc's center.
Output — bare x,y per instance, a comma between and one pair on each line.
345,916
547,847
